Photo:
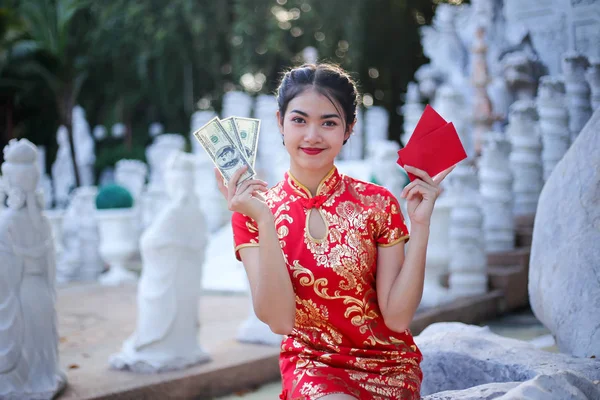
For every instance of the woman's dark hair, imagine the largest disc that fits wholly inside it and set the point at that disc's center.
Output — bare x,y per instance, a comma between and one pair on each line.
329,80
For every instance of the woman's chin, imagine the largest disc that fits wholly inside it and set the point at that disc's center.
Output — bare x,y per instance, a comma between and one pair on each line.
315,164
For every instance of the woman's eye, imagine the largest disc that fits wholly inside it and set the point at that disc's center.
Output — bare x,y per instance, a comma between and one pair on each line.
330,123
298,120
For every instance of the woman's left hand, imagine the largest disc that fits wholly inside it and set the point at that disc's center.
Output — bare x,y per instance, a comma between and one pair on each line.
421,194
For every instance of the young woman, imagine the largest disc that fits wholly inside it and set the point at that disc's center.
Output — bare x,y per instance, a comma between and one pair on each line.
324,253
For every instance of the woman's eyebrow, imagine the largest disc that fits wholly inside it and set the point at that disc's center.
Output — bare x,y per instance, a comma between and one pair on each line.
324,116
299,112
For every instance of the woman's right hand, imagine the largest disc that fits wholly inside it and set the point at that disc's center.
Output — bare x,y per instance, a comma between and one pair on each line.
245,198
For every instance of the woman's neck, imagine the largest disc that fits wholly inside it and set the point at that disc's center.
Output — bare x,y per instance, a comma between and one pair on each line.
310,178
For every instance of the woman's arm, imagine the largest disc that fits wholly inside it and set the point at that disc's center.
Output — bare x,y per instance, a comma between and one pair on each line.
400,279
273,295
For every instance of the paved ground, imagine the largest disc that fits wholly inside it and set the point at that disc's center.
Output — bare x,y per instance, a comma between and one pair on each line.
95,320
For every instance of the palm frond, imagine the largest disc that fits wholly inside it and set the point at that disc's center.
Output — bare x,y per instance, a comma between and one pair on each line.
23,49
40,70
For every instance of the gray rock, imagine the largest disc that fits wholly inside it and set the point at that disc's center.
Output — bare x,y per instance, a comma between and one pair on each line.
564,271
558,386
482,392
458,356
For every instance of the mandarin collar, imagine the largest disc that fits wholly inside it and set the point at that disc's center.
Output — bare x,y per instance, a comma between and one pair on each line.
326,187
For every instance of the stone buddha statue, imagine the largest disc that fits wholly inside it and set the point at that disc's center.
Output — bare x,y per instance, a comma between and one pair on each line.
172,249
28,329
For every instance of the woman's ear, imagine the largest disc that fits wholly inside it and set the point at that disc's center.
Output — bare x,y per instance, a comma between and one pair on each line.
349,130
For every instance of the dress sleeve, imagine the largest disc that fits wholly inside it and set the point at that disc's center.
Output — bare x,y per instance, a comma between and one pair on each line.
245,232
392,229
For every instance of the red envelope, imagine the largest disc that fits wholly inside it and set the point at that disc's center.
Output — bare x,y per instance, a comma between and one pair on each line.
430,121
433,152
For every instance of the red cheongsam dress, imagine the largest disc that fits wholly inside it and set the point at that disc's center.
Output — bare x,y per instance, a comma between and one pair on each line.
340,343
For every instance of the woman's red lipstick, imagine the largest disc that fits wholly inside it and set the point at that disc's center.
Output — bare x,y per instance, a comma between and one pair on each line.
311,151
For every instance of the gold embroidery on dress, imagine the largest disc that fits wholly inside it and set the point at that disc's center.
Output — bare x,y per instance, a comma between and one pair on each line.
349,250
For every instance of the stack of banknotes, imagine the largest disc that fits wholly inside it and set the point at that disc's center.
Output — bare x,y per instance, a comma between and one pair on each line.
231,144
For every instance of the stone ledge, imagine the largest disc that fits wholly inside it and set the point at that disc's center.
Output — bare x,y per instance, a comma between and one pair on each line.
235,367
518,256
469,310
509,272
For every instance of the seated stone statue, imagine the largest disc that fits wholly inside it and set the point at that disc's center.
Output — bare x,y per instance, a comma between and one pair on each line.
28,332
172,249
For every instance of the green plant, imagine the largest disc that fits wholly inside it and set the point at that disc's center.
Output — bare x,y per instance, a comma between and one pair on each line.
113,196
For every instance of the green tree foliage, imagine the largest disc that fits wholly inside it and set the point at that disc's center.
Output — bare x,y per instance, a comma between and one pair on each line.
139,62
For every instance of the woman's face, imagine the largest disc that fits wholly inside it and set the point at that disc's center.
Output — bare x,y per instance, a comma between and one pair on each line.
313,131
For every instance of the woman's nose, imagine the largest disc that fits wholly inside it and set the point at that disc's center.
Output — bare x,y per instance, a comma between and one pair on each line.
312,133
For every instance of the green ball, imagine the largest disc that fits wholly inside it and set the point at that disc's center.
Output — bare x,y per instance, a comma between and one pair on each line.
113,196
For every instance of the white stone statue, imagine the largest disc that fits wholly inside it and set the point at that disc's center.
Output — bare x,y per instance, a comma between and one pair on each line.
442,45
272,158
152,201
310,55
382,158
118,130
84,147
495,187
80,259
166,335
3,193
29,367
483,116
376,125
555,27
468,262
236,103
521,69
158,152
214,207
554,121
155,129
452,106
155,196
131,174
438,253
525,157
411,110
593,78
99,132
222,272
253,330
578,91
55,217
63,176
354,149
429,80
489,15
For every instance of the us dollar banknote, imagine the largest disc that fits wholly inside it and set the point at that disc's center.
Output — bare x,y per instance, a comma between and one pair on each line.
223,151
248,129
232,130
